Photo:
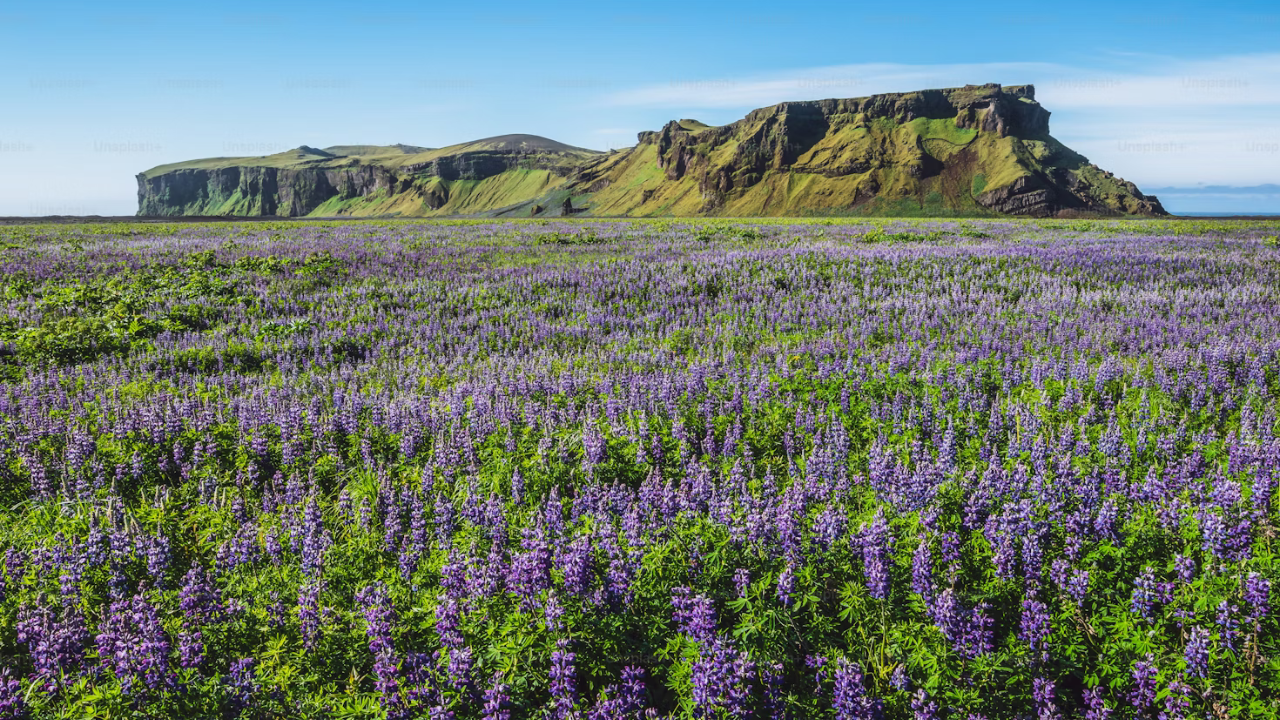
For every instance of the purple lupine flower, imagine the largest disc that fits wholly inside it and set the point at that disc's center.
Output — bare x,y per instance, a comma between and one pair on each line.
1035,628
564,693
950,554
277,611
552,611
1148,593
132,642
575,565
157,553
817,663
1144,684
242,684
719,676
315,539
900,680
497,700
829,526
694,615
922,708
1185,566
56,640
774,703
741,581
922,569
380,618
1197,653
1096,707
876,541
850,700
1043,694
1177,701
449,622
1228,625
459,669
738,694
1074,582
786,585
1257,595
595,447
199,598
13,706
190,648
979,637
517,487
309,613
632,693
422,688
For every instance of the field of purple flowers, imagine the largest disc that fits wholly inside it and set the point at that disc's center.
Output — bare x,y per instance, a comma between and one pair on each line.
640,469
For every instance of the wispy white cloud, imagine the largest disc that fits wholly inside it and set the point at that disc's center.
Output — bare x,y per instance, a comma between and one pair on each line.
815,83
1249,80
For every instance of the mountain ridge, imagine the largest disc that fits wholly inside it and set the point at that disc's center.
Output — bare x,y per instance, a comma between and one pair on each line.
975,150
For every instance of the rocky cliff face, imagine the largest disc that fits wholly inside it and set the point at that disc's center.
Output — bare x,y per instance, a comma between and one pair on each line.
308,181
980,149
260,190
974,149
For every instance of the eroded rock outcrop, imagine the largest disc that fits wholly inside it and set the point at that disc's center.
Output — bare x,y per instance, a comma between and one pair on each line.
971,150
979,149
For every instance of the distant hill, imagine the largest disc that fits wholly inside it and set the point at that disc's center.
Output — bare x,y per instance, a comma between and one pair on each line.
1269,189
976,150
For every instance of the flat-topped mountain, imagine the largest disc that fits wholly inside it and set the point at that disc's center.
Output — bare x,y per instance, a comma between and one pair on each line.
976,150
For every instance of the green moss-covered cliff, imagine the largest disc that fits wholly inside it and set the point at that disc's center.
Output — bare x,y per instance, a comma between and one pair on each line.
976,150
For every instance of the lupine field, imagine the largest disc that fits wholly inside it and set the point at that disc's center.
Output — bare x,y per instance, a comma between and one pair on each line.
620,470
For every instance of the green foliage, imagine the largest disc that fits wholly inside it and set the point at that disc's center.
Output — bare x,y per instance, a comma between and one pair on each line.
879,235
585,237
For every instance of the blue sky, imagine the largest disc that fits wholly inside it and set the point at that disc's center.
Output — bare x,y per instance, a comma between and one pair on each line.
1169,95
